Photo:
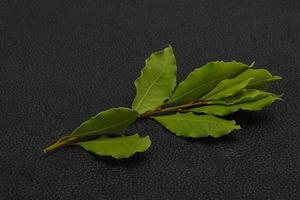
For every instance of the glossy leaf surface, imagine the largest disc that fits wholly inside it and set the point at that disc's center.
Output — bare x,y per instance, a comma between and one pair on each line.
113,121
225,89
117,147
245,95
157,81
195,126
262,78
228,109
204,79
251,78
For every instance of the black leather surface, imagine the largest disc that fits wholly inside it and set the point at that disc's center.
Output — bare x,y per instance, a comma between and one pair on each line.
62,62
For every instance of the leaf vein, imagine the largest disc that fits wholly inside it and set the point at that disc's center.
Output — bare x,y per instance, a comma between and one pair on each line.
150,87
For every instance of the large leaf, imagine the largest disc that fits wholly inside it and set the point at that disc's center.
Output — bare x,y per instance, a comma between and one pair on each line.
204,79
157,81
195,126
251,78
227,109
117,147
245,95
114,121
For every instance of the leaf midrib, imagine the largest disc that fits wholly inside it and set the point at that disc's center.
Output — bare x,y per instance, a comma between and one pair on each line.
106,142
197,120
102,129
246,82
242,100
150,87
262,80
196,88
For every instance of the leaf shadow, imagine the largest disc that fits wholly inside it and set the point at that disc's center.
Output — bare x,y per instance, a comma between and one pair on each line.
138,159
210,141
248,119
244,118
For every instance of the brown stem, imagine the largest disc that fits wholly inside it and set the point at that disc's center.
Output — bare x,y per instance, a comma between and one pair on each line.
73,139
70,140
62,142
161,110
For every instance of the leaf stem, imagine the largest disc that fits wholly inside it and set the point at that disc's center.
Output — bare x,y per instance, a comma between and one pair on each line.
62,142
70,140
164,109
161,110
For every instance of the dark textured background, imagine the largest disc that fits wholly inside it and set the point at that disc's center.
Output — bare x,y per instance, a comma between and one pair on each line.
61,62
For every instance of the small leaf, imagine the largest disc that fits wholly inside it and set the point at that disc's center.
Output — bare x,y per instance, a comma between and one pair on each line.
227,109
245,95
251,78
157,81
114,121
117,147
195,126
204,79
226,88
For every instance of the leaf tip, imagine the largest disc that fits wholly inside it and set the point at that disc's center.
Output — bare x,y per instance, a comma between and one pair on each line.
278,97
252,64
168,49
277,78
148,142
236,126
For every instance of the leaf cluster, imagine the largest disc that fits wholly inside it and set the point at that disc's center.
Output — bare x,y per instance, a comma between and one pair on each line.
192,109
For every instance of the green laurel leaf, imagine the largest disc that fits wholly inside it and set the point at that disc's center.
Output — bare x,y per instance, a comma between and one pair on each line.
228,109
245,95
226,88
117,147
251,78
111,121
195,126
204,79
215,89
157,81
262,78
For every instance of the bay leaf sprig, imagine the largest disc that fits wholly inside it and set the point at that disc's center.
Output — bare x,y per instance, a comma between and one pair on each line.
192,109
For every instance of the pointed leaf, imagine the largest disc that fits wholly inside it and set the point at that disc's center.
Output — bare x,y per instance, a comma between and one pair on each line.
227,109
262,78
264,84
157,81
259,79
117,147
192,125
204,79
226,89
245,95
114,121
259,104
